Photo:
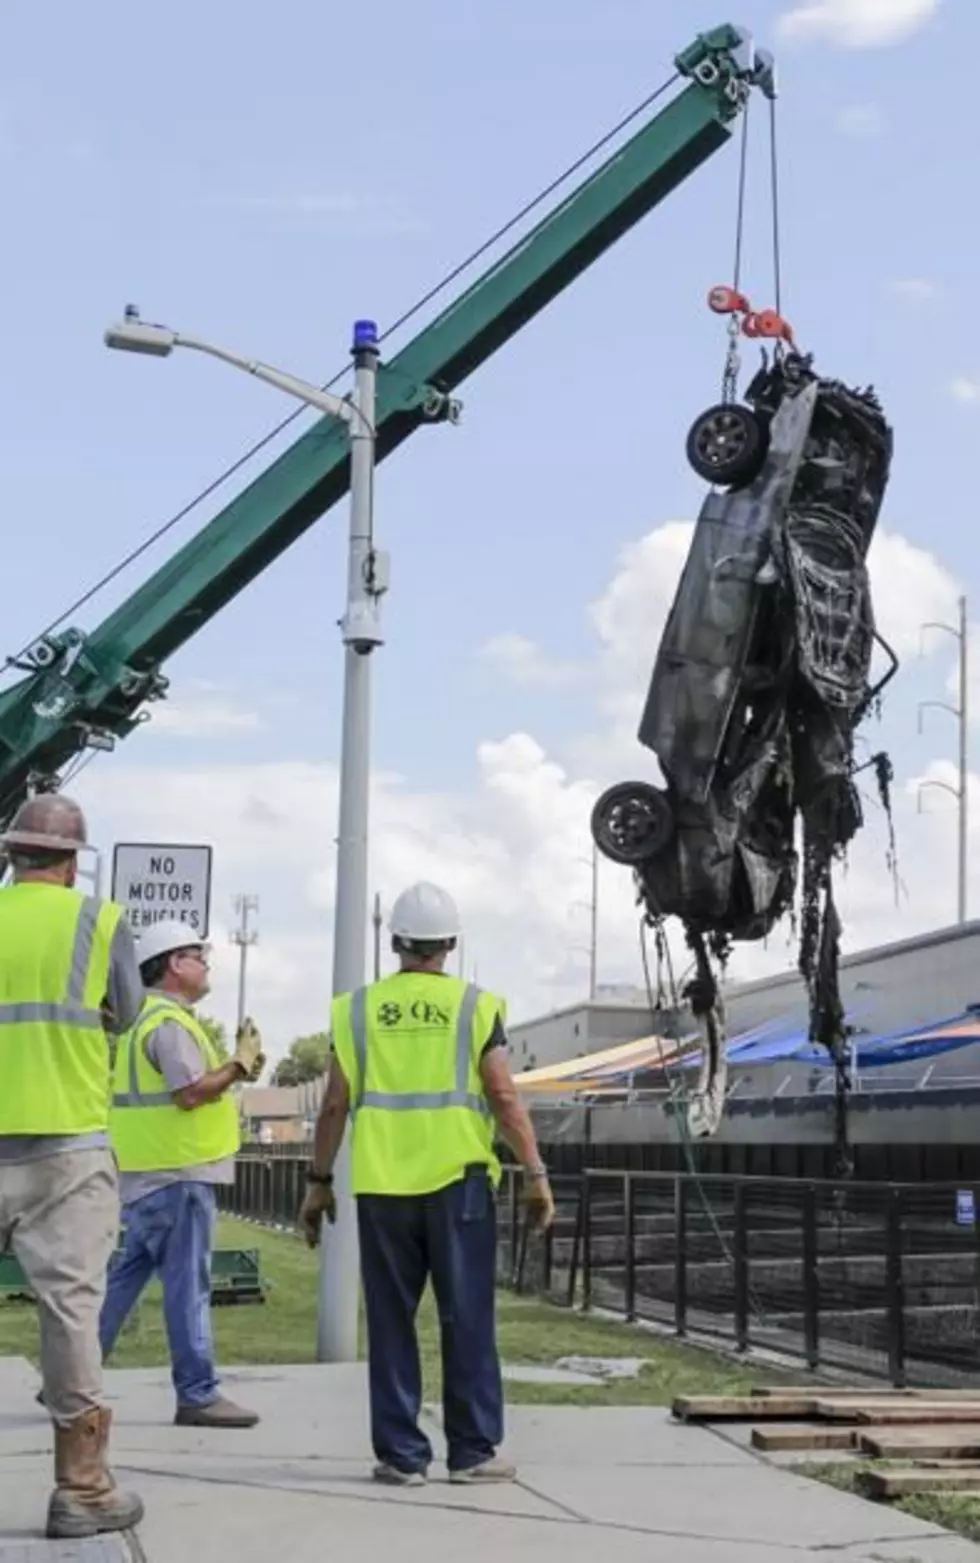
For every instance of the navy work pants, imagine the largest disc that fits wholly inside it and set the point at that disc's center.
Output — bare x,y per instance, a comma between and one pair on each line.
450,1236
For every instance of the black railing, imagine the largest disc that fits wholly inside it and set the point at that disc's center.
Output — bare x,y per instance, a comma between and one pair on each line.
879,1279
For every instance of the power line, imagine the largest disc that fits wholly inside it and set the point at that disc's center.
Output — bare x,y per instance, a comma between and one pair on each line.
427,298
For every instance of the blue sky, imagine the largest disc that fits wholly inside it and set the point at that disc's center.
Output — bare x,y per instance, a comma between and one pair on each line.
267,184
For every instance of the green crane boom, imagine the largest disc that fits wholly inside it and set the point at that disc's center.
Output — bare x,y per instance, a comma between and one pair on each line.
86,690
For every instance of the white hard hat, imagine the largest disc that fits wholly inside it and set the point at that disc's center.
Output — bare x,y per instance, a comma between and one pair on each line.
425,911
164,936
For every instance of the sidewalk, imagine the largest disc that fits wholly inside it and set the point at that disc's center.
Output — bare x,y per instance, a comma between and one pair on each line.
597,1486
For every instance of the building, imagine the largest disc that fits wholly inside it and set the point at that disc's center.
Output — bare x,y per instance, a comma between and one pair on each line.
916,1116
274,1114
616,1014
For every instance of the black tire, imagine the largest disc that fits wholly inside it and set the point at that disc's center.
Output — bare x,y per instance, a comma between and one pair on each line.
632,822
728,444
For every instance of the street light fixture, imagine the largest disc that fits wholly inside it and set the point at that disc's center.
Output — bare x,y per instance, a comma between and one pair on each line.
367,581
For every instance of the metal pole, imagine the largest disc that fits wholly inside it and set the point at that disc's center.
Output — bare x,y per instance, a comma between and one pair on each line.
377,938
964,775
244,936
594,938
339,1284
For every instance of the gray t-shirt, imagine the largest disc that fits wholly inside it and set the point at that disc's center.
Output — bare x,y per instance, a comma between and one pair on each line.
124,998
172,1050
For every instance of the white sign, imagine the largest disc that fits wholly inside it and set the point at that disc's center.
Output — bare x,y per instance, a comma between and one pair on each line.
160,881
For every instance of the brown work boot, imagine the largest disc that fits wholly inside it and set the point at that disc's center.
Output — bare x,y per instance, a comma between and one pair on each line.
219,1413
86,1500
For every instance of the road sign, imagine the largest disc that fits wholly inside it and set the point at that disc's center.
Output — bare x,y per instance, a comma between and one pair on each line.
163,881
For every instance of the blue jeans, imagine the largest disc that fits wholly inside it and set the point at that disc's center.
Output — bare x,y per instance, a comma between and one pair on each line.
170,1233
450,1236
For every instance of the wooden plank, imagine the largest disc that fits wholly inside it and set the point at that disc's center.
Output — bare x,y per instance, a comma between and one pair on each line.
891,1411
872,1392
902,1481
773,1439
830,1391
919,1414
919,1443
741,1408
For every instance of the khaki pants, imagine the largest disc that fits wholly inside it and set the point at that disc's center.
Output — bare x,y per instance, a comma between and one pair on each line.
60,1216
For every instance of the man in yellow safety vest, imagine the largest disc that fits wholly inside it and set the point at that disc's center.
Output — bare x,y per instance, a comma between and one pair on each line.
420,1063
175,1130
68,974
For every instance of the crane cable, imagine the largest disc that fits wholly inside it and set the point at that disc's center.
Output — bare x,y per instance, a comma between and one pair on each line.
730,300
427,298
678,1092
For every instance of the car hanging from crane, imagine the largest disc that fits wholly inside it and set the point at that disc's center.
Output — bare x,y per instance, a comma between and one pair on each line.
761,679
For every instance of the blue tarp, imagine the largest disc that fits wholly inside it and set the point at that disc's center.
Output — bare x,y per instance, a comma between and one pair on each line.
786,1038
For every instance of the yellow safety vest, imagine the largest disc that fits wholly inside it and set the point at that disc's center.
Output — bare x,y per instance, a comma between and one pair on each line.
410,1049
149,1132
55,952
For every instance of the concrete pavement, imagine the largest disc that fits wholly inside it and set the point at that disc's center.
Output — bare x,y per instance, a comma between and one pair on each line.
596,1486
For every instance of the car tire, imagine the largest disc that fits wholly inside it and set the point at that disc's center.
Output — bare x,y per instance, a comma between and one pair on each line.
727,444
632,822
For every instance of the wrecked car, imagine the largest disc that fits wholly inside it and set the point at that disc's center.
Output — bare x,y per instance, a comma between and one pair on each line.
762,677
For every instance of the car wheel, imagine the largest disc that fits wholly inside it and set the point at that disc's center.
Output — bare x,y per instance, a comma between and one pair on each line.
728,444
631,822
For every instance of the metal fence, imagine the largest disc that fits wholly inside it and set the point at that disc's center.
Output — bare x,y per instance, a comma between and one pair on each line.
874,1278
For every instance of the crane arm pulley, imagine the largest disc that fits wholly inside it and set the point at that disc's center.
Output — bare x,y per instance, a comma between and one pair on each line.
86,690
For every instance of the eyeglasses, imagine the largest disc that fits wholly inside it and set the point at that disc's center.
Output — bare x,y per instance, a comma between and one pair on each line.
196,952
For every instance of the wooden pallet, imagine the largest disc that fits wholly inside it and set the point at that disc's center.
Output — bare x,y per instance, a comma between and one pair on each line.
934,1435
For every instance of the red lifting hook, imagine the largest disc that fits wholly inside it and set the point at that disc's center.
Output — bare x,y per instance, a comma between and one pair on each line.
728,301
767,323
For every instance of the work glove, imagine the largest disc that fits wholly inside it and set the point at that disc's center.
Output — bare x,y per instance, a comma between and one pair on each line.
248,1050
320,1200
539,1202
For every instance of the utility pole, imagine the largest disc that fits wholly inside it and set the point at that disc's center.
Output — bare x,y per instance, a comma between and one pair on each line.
592,907
244,937
594,927
961,713
376,919
367,580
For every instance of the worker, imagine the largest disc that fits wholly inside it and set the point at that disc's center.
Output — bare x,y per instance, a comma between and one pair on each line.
68,976
175,1130
420,1063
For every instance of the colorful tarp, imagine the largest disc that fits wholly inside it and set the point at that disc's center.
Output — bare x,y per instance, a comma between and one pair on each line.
634,1064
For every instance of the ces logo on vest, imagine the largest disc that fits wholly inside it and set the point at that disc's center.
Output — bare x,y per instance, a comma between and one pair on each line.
422,1010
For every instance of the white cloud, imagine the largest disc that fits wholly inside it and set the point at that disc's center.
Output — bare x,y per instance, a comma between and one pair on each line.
514,846
202,712
965,388
861,119
856,24
522,660
913,290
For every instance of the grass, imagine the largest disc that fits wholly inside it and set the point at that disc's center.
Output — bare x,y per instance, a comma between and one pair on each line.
955,1511
528,1331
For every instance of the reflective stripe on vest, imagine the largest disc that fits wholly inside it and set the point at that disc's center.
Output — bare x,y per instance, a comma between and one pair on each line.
55,965
72,1011
154,1010
411,1101
150,1132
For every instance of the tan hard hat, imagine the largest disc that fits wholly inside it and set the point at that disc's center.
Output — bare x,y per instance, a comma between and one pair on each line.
48,822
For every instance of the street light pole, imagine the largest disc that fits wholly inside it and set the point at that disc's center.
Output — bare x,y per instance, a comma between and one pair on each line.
961,713
367,580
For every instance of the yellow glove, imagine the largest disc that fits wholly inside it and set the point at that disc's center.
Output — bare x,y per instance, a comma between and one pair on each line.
248,1050
319,1201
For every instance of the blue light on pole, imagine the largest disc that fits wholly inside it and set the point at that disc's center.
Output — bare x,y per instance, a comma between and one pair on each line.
365,335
